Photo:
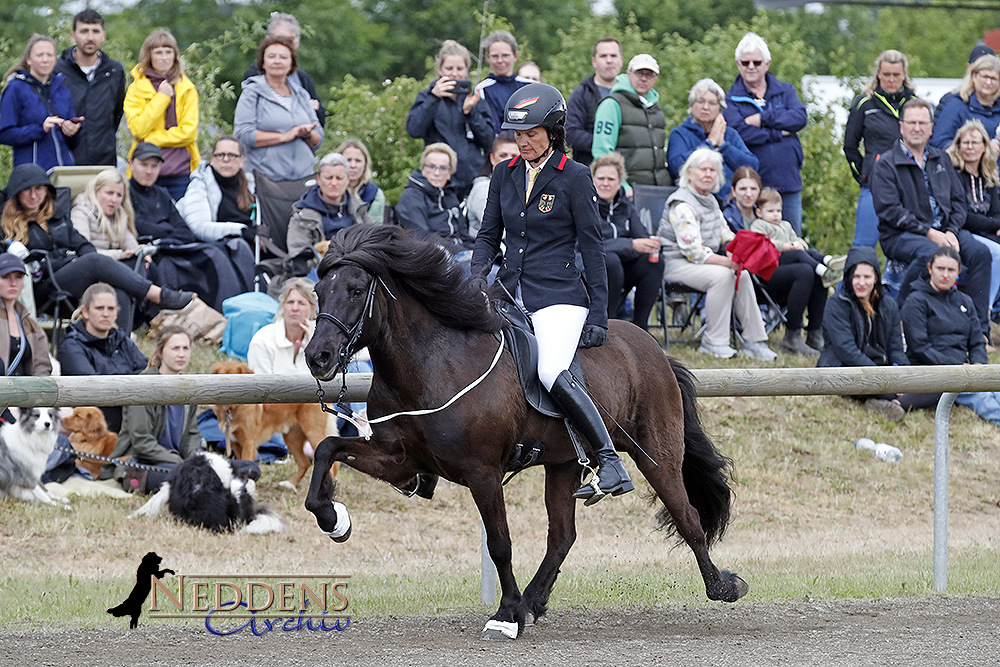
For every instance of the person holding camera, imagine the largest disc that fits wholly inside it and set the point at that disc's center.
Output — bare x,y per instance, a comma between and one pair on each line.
447,112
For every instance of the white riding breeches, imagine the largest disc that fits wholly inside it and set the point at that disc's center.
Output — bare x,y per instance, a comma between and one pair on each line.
557,329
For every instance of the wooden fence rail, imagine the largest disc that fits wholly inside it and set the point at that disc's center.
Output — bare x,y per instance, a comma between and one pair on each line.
232,389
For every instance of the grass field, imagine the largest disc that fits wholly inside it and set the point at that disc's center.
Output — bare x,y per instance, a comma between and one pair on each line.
813,519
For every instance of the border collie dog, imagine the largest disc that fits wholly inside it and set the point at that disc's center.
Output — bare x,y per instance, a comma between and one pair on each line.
24,449
207,490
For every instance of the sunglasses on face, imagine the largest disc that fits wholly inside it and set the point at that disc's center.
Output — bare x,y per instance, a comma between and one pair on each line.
755,63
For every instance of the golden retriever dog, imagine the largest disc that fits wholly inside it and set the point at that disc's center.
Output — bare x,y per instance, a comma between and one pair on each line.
246,427
88,432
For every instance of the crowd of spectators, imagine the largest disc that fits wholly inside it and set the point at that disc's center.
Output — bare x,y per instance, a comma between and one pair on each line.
174,226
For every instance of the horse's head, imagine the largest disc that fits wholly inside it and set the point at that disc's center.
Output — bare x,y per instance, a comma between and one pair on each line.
346,299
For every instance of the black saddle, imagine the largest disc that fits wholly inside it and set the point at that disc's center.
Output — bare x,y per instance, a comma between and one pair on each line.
520,339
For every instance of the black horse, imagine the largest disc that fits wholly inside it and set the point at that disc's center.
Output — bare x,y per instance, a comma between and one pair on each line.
431,334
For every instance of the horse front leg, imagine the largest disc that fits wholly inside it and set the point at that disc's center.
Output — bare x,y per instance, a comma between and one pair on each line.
560,482
377,458
332,517
508,622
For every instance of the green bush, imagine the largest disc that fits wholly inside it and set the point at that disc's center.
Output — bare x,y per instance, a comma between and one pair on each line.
378,119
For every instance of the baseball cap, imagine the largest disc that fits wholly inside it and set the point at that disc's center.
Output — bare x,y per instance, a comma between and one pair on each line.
9,263
144,149
643,61
980,50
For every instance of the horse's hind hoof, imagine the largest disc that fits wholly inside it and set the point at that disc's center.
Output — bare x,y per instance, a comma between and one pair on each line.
742,587
499,630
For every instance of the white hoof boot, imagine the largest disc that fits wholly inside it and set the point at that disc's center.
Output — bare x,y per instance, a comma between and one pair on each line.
499,630
342,531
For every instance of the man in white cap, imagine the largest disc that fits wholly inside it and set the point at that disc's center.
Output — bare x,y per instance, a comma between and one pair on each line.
631,122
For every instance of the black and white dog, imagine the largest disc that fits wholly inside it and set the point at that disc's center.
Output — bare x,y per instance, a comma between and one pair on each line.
207,490
24,449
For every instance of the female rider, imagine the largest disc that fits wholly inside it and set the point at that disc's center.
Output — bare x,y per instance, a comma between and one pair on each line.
547,205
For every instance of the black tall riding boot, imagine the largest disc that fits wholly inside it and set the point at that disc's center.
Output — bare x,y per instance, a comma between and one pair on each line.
611,474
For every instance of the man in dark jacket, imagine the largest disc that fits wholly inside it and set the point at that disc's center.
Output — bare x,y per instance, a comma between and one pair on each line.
97,84
286,25
920,204
582,104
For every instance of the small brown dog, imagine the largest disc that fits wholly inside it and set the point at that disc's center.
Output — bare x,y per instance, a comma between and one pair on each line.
246,427
88,432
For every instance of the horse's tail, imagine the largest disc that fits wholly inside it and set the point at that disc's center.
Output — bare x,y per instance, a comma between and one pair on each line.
706,472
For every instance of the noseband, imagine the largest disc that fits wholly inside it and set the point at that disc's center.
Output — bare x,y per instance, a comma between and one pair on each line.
353,333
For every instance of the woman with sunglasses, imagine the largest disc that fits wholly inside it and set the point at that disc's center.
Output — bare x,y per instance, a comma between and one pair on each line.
768,114
219,201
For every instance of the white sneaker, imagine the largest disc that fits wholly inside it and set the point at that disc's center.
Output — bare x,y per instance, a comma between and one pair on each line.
760,351
717,351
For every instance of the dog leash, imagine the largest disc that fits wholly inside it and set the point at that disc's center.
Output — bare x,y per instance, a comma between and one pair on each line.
98,457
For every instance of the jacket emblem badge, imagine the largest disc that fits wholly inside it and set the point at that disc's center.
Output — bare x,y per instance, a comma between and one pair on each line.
545,203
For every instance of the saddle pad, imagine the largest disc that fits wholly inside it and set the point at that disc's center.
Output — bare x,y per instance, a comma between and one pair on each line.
524,348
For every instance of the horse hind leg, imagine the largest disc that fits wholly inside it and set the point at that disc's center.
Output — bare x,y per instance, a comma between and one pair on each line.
696,497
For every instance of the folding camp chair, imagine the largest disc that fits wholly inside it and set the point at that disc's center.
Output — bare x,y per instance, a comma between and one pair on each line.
75,178
274,209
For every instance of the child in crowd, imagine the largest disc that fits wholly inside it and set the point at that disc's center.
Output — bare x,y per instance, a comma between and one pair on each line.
793,249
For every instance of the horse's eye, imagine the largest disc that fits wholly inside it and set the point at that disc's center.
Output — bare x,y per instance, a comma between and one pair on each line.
355,293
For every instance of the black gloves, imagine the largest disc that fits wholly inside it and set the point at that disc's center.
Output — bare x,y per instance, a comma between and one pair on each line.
592,336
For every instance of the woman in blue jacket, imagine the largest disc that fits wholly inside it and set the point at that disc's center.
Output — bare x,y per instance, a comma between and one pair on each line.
706,126
441,116
36,110
976,98
547,206
768,115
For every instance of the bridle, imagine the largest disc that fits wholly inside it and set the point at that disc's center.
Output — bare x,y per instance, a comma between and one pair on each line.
354,332
347,351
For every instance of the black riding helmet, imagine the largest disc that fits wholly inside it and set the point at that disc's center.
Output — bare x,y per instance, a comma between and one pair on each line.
534,105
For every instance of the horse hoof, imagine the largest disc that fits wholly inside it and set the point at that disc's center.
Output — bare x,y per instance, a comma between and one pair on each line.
499,630
529,619
285,485
342,531
740,584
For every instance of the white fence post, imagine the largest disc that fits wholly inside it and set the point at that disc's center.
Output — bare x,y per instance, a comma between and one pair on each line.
941,417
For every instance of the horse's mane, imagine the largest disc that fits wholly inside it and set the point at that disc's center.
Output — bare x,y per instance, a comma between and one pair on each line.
422,268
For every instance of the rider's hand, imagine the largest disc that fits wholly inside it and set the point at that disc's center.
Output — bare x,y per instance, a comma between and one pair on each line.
592,336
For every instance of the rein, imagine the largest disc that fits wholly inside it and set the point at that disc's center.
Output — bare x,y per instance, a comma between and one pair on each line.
347,351
365,426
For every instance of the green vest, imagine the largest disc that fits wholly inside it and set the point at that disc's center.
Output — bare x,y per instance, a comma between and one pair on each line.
642,140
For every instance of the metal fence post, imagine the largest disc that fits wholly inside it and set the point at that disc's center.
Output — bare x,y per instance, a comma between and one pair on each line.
488,575
941,490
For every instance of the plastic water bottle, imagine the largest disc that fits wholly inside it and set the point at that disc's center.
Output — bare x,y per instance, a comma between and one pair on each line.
881,450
